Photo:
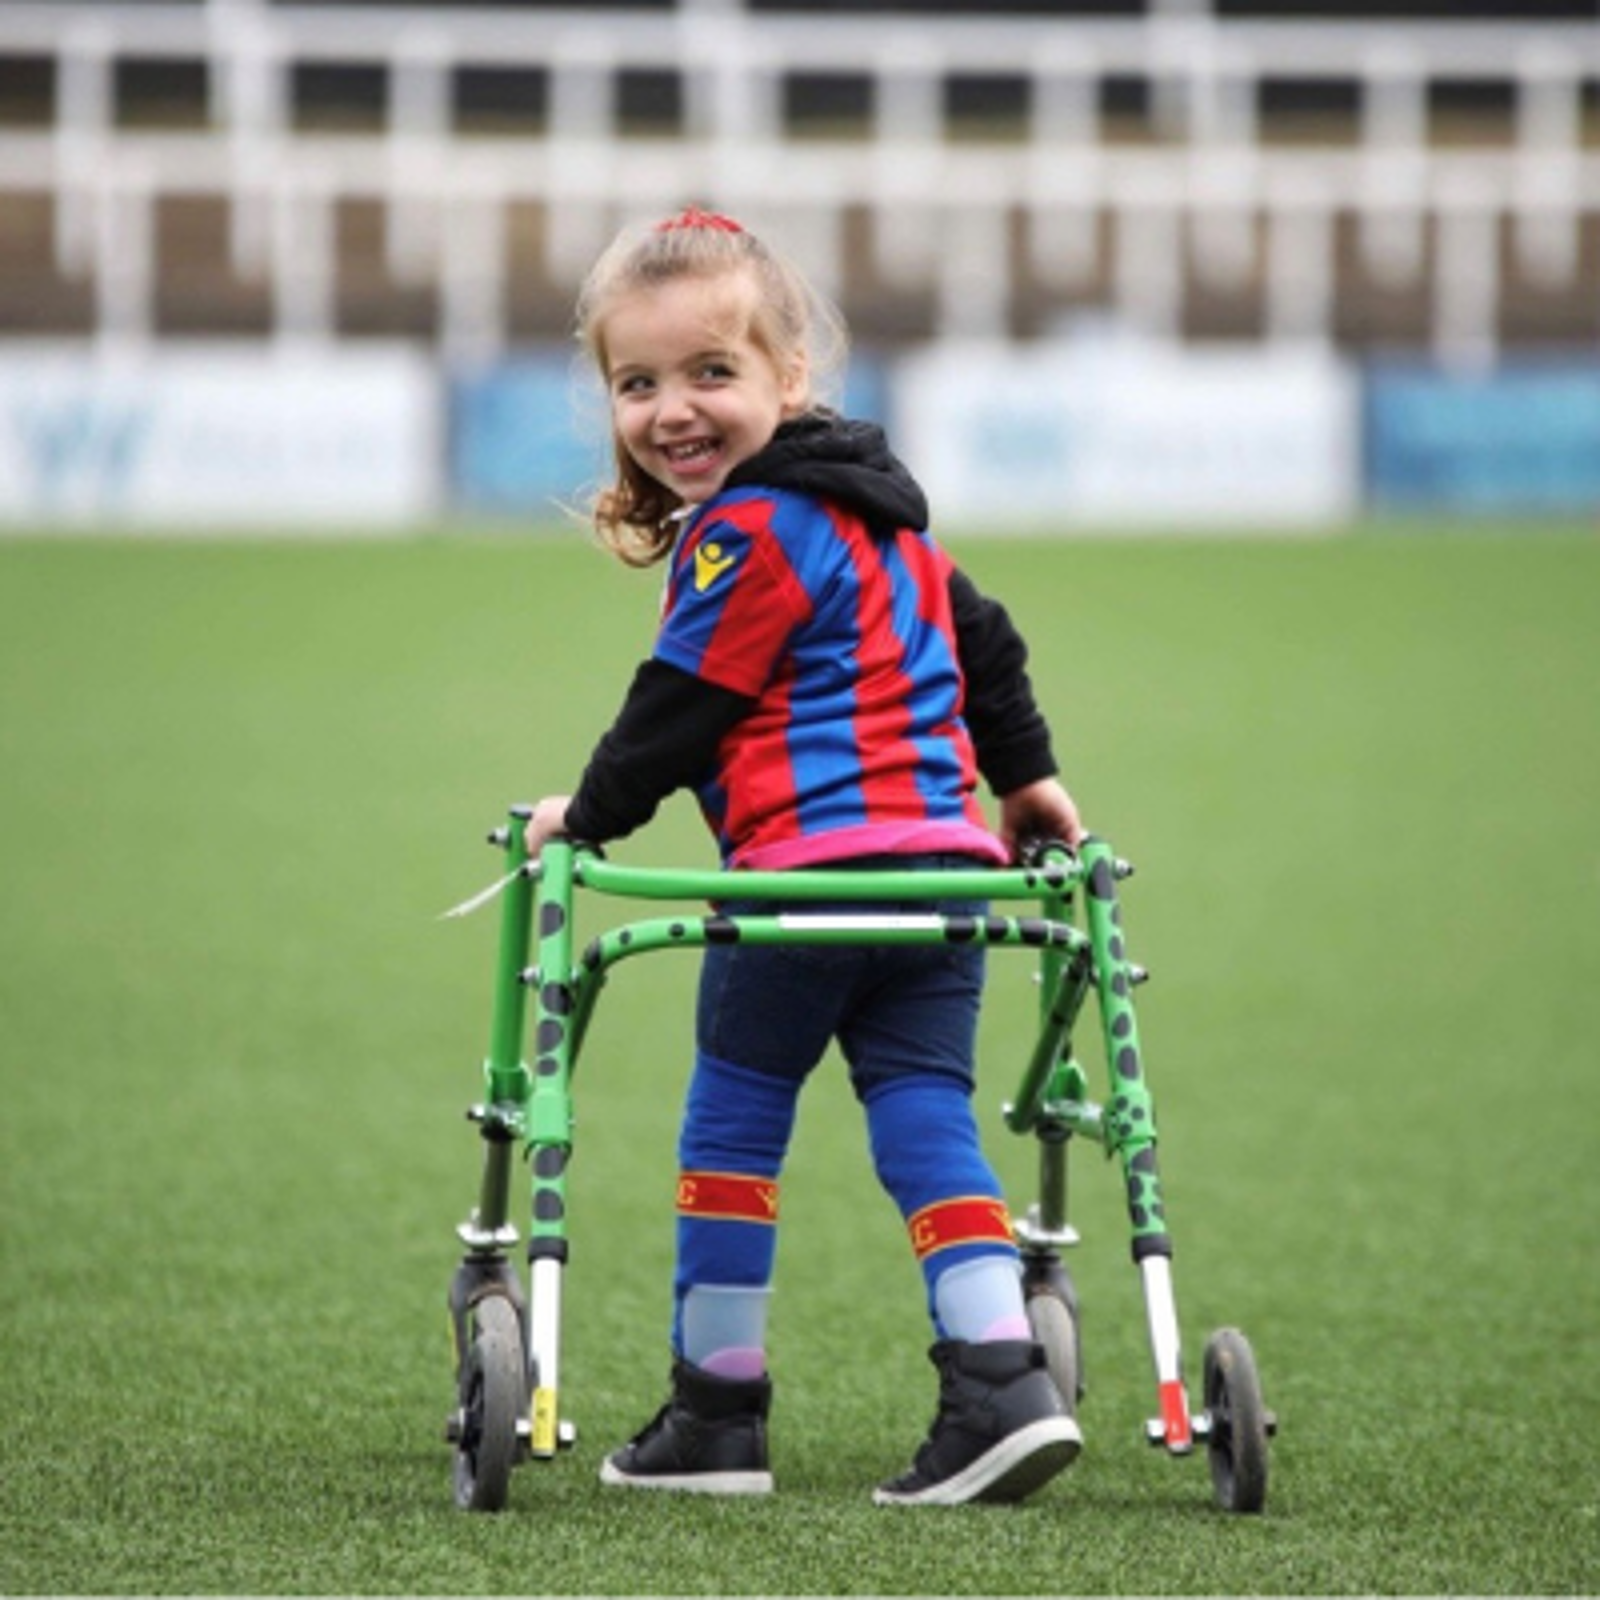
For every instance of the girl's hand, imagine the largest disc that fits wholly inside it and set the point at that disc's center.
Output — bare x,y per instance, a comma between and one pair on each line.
549,818
1039,810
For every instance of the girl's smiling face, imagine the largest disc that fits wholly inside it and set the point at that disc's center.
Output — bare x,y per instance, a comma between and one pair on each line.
693,391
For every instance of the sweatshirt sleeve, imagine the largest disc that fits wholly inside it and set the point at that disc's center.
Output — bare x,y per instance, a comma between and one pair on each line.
1009,732
664,738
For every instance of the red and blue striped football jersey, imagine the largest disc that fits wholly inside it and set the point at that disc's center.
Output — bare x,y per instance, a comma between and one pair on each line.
844,638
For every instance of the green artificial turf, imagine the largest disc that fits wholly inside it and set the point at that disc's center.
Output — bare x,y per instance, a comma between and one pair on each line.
1360,779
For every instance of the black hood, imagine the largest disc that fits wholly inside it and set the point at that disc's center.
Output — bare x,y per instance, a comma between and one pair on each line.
837,459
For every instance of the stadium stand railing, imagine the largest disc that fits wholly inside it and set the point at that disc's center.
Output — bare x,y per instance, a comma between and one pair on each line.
1425,183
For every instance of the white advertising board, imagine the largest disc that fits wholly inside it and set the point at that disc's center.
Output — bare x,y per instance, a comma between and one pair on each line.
217,436
1091,433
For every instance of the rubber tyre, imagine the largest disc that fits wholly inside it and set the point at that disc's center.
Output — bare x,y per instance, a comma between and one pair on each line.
1237,1445
491,1393
1056,1328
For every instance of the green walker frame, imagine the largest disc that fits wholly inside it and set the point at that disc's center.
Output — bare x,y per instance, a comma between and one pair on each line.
507,1329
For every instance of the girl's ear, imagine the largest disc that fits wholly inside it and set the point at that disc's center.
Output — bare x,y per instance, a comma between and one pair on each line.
796,388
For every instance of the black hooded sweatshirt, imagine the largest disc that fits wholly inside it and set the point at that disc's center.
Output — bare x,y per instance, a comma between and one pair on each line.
666,735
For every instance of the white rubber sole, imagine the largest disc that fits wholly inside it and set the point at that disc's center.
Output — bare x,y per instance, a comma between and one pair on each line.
1020,1463
690,1482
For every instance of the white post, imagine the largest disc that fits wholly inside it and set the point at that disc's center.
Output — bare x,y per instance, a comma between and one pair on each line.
975,273
581,151
420,113
303,259
1466,289
124,255
251,98
1064,141
1549,141
84,114
544,1349
908,140
473,274
1394,177
1300,271
1149,270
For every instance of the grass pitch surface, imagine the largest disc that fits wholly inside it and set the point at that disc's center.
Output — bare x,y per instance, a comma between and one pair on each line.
238,783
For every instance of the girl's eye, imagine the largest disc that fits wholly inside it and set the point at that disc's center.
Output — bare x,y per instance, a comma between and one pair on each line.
716,372
634,383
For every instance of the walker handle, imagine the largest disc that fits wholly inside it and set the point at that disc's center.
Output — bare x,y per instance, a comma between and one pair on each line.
1037,849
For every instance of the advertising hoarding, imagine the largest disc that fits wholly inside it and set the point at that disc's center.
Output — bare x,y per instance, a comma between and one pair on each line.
1523,438
218,436
1116,433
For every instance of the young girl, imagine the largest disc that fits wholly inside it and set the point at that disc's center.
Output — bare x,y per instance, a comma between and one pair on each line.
830,686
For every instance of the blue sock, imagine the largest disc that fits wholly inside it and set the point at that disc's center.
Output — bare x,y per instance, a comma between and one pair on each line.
926,1150
736,1130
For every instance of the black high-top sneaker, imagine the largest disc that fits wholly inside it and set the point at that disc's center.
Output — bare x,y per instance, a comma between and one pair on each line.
710,1437
1001,1431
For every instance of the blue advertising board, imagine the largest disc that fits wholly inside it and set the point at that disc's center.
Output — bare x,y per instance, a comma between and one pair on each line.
1524,437
526,436
529,436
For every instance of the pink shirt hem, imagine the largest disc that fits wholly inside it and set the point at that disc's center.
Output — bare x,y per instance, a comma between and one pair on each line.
873,839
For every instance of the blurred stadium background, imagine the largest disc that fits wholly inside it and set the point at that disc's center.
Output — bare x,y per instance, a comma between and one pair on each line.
1185,263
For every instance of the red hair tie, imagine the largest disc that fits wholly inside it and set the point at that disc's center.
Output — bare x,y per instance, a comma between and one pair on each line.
694,217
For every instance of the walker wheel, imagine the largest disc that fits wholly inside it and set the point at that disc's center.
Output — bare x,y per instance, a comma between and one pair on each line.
492,1386
1052,1306
1239,1423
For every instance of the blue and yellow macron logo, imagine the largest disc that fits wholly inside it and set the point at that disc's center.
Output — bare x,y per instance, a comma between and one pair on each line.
710,562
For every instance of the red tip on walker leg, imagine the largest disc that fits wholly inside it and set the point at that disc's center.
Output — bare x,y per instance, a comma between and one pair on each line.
1176,1429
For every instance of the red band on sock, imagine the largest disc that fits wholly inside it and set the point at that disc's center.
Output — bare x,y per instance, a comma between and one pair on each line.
973,1219
732,1196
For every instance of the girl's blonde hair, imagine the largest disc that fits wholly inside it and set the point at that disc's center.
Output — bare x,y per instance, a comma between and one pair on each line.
791,323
